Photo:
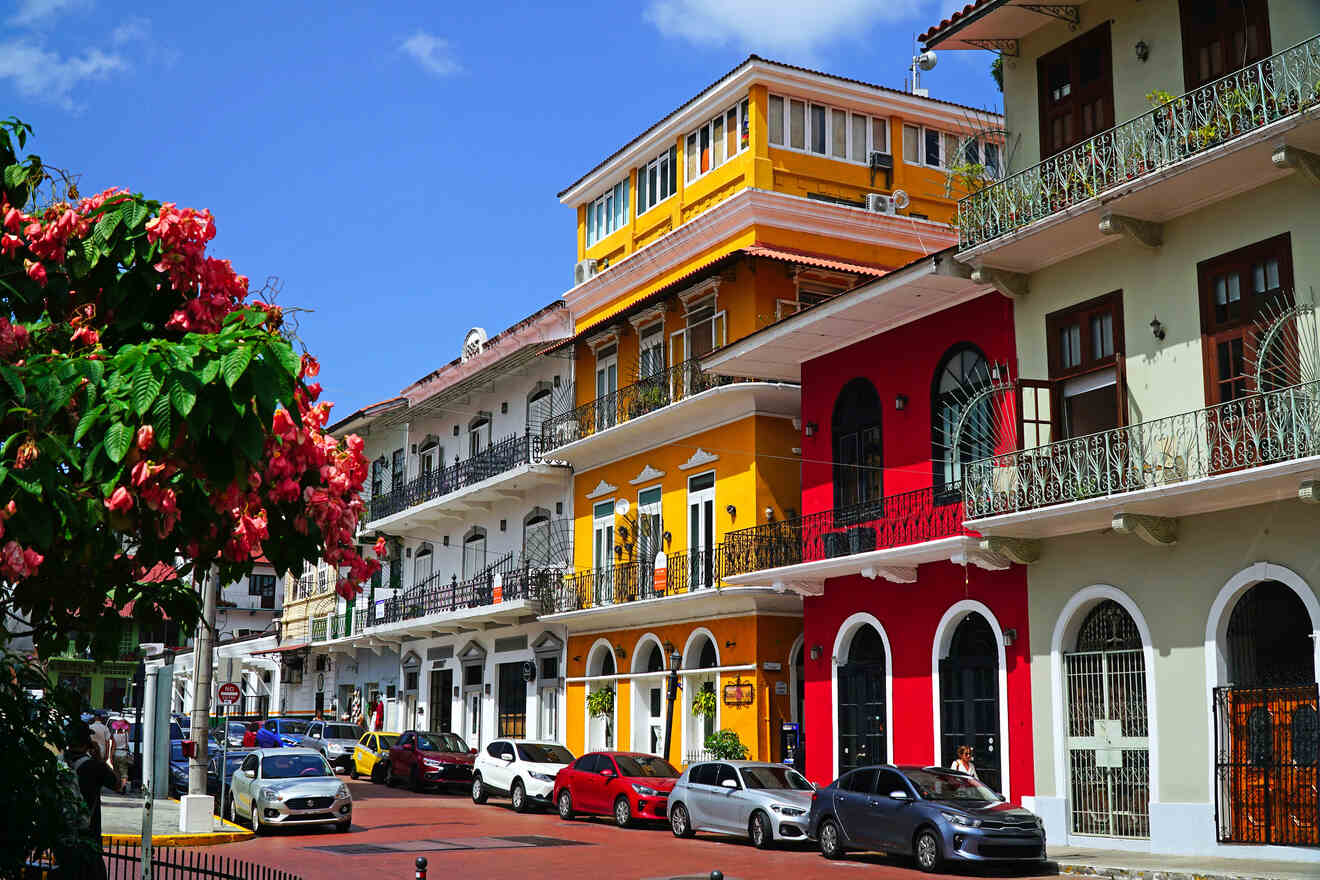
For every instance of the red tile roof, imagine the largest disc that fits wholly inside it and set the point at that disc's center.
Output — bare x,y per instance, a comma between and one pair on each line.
792,256
956,17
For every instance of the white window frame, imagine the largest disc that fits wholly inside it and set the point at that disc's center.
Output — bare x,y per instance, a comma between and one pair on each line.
667,157
651,337
605,202
805,149
743,110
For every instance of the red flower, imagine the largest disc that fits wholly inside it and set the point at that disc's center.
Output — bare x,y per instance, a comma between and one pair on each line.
121,501
146,435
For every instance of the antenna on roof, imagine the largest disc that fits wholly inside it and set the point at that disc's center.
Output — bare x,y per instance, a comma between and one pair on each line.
920,61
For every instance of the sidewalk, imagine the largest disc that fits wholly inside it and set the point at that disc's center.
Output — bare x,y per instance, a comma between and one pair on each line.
121,822
1120,865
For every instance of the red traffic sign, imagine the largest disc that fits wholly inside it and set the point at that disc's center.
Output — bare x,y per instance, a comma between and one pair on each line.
229,692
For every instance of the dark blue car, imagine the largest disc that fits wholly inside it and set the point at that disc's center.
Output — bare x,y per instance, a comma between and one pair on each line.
932,814
178,769
233,758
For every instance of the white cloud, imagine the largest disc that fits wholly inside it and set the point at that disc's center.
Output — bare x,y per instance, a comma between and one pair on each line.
37,73
132,30
779,26
434,54
31,12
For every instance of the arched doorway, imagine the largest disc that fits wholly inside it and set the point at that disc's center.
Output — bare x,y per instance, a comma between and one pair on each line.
1108,726
648,689
699,654
1266,722
969,698
862,710
600,728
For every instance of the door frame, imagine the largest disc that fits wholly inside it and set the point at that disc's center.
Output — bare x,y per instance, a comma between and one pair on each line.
692,539
842,643
940,646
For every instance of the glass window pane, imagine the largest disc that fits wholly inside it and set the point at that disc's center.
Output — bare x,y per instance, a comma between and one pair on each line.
950,152
745,127
880,135
705,148
1221,291
653,194
817,129
731,134
718,138
911,144
775,119
992,159
857,149
797,125
591,220
691,156
839,134
932,147
1234,290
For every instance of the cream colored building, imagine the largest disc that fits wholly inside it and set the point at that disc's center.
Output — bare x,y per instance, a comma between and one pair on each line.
1159,232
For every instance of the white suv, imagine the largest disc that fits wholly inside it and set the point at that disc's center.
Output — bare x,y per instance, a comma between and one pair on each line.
520,770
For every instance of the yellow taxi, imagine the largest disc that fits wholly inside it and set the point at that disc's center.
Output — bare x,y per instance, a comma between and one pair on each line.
371,755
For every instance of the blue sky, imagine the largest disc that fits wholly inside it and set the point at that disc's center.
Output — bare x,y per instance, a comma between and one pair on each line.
396,165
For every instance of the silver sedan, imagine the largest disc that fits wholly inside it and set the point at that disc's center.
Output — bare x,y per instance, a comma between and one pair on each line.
277,787
766,802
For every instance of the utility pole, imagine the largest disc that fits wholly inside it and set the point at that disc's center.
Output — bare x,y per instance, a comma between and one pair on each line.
201,713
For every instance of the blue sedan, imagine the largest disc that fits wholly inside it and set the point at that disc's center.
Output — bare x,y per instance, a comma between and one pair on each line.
932,814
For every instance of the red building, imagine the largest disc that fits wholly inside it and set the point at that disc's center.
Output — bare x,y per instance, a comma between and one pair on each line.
915,634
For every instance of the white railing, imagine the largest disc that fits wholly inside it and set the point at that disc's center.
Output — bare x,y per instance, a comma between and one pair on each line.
1261,429
1243,101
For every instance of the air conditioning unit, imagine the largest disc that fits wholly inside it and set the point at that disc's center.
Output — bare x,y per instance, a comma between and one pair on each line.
878,160
584,270
879,203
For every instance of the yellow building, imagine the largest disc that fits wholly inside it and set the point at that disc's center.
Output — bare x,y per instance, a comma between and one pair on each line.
772,190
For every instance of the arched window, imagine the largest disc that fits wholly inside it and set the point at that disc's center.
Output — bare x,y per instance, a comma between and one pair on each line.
1269,638
540,406
474,552
962,372
422,564
858,451
655,661
536,538
1108,627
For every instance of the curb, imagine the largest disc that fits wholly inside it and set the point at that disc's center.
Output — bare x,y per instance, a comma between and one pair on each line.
1116,873
213,838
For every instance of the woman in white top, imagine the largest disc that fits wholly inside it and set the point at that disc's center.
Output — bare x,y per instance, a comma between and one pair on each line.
963,763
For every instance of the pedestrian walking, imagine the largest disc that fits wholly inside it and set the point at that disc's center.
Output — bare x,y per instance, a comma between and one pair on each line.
378,716
250,735
963,763
121,758
101,736
92,774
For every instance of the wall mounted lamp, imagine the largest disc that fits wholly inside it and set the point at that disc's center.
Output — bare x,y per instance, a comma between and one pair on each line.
1142,49
620,651
669,649
488,689
769,514
731,510
457,692
1157,328
810,429
816,651
668,536
900,402
1010,636
729,644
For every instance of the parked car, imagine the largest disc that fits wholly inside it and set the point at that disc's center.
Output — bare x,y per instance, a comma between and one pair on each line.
178,769
521,770
288,786
371,756
932,814
335,740
429,759
233,758
234,731
290,730
766,802
625,785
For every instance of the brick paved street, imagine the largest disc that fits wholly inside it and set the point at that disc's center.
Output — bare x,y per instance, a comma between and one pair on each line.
392,827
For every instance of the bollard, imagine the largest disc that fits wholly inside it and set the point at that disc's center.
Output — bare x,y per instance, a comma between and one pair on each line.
716,875
421,868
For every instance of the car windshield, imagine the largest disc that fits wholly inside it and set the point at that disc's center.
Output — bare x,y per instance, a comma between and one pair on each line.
386,740
342,731
541,753
293,727
943,785
645,765
237,728
176,751
441,742
775,777
289,766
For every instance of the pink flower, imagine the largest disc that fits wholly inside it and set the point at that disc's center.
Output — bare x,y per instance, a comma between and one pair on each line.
121,501
85,336
36,271
146,435
379,549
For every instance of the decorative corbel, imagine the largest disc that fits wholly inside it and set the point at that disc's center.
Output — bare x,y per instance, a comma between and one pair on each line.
1023,551
981,559
1158,531
1011,284
1305,163
1143,232
895,573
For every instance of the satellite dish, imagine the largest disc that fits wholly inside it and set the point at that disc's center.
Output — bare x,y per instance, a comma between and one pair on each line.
901,199
621,507
926,60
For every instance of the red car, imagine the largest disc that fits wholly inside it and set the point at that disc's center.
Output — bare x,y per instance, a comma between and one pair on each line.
625,785
424,759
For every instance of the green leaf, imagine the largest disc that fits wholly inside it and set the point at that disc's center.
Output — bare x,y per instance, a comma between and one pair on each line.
11,377
183,395
288,359
210,371
161,422
93,370
137,214
85,423
15,176
118,440
146,386
250,439
235,363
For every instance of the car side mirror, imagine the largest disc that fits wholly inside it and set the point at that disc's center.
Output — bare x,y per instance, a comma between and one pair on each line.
507,756
729,783
900,795
472,751
607,772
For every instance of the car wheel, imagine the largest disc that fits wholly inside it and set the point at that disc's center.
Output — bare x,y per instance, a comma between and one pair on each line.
378,773
831,840
565,804
927,851
518,797
478,790
231,811
257,827
352,770
622,812
759,831
679,823
342,827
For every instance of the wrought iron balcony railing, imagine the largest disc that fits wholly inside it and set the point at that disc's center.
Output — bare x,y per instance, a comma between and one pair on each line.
1248,432
439,594
893,521
1243,101
320,627
499,457
685,572
655,392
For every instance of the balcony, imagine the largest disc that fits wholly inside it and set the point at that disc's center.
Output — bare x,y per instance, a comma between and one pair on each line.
632,416
1252,450
472,479
329,627
1203,146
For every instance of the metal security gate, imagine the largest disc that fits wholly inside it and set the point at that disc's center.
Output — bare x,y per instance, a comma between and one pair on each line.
1108,743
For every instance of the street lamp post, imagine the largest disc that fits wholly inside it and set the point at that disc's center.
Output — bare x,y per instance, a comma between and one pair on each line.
671,693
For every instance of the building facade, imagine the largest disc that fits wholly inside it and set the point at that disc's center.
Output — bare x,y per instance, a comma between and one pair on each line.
774,189
1159,235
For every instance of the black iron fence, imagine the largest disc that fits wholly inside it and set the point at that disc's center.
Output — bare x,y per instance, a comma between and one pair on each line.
123,861
1267,752
497,458
685,572
507,580
892,521
630,402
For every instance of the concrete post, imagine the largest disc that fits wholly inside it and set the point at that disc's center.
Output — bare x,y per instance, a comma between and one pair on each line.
197,807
